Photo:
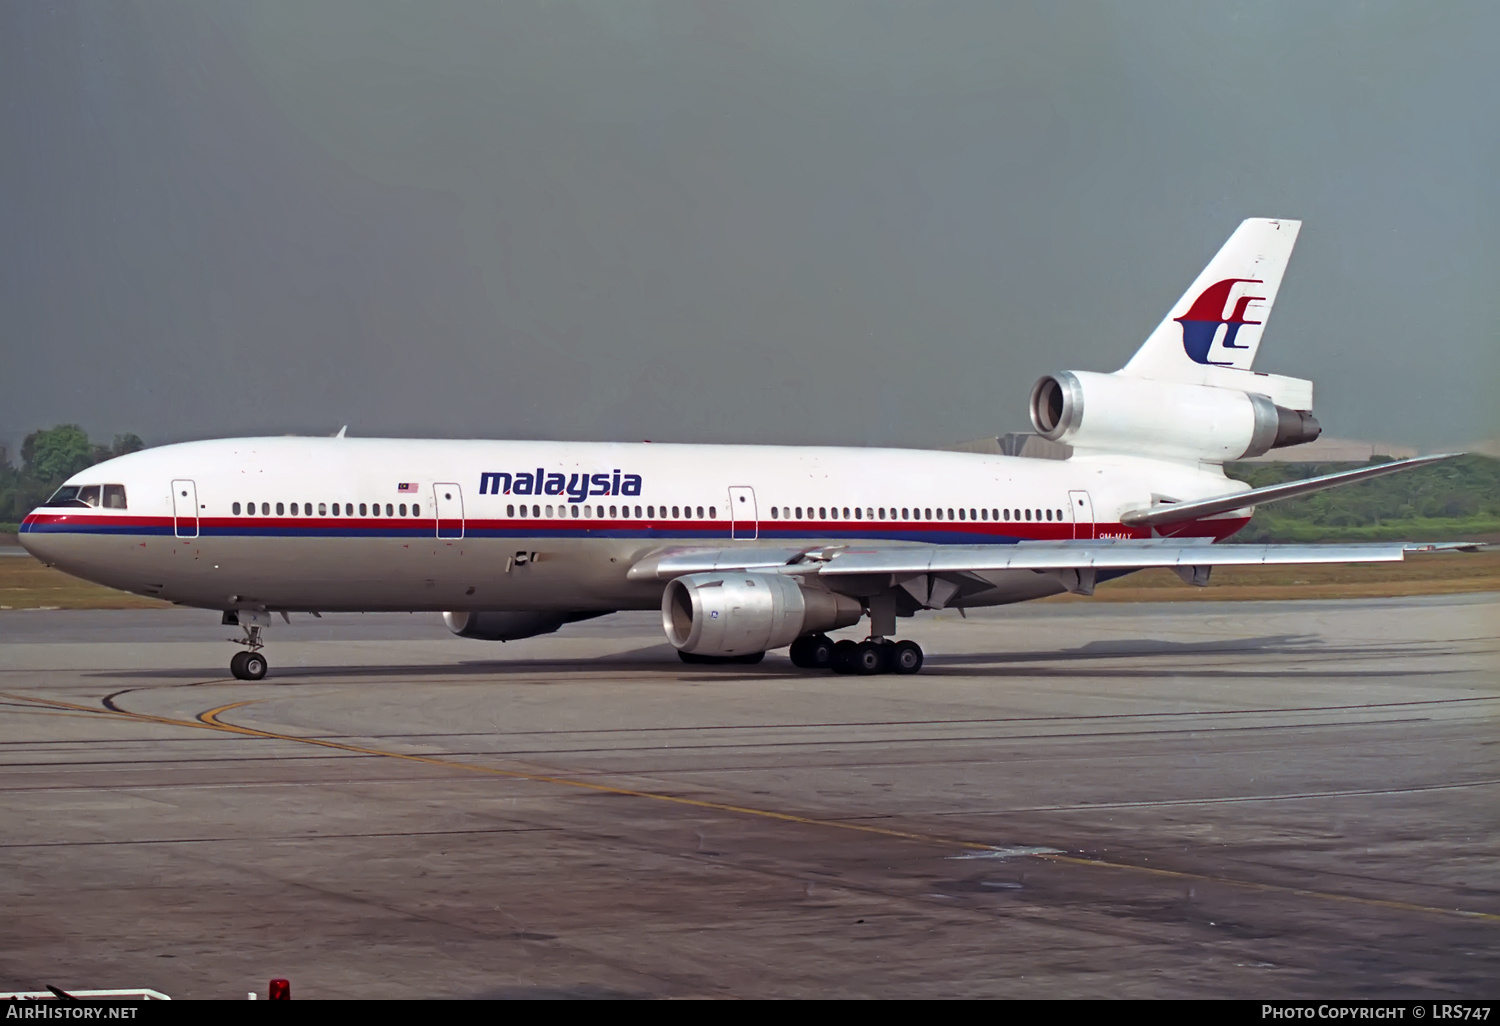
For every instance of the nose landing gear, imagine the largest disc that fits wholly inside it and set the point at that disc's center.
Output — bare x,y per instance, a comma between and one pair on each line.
250,664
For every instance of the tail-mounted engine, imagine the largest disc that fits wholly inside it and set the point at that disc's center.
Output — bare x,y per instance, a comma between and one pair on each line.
1113,413
740,613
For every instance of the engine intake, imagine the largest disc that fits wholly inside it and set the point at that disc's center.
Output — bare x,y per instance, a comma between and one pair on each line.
510,626
1109,412
741,613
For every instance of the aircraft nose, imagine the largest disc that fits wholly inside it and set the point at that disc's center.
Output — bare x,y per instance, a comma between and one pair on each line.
46,546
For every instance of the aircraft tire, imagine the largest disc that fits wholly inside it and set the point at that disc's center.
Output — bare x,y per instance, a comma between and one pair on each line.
905,657
237,665
254,665
812,652
868,658
843,657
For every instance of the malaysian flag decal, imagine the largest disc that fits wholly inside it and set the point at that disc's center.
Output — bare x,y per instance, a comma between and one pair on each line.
405,488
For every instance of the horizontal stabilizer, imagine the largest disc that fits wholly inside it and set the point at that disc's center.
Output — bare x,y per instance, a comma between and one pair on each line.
1176,512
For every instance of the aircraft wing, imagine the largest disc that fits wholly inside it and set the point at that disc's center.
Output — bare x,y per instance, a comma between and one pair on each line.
1117,554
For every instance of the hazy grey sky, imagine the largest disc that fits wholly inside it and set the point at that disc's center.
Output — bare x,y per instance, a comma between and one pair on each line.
725,221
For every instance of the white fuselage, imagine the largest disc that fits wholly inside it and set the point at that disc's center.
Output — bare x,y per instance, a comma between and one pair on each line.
389,524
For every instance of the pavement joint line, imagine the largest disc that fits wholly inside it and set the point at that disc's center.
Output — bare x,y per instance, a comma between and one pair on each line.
210,720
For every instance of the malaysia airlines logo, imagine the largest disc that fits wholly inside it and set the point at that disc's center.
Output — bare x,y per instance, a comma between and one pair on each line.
1201,323
575,486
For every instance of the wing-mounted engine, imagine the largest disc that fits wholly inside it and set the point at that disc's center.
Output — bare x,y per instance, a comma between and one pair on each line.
1168,419
498,626
727,614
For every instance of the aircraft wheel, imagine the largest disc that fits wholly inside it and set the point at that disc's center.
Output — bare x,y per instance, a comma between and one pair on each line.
868,658
905,657
254,665
843,657
237,665
812,652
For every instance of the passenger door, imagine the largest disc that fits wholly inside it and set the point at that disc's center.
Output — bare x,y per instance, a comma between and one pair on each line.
744,522
449,501
1083,514
184,509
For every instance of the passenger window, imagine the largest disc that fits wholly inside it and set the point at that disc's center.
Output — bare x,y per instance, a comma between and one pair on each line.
651,512
307,509
1049,514
549,511
523,510
638,512
961,515
613,511
416,509
773,513
388,510
1028,514
236,509
713,513
362,509
859,514
1059,514
280,510
799,512
375,509
700,512
294,509
114,496
322,509
402,508
335,509
904,512
675,513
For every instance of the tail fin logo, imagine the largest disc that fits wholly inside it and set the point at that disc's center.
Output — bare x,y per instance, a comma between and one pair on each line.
1201,323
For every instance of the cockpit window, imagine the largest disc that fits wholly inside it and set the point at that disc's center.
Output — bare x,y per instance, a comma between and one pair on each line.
67,495
110,496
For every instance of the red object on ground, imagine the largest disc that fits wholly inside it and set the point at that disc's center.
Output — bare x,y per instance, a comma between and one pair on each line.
281,990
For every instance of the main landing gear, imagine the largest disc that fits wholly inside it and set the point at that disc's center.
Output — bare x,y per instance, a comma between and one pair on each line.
250,664
875,655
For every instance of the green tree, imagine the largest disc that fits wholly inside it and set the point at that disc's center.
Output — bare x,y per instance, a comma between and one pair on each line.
56,453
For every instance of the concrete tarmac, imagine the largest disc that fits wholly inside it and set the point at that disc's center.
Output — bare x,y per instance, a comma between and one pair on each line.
1261,800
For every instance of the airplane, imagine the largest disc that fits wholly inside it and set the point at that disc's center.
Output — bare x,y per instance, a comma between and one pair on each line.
743,548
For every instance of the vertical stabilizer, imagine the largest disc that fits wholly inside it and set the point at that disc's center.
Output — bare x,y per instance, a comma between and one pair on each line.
1219,320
